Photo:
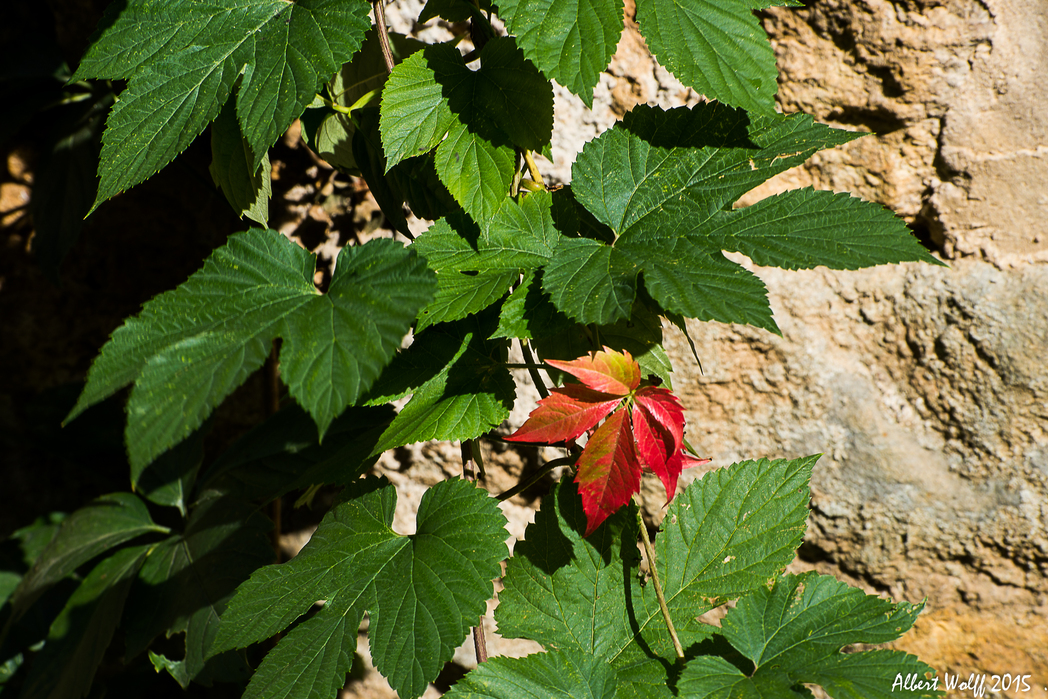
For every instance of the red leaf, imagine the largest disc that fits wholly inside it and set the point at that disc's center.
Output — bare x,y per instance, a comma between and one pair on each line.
565,415
658,426
609,472
608,371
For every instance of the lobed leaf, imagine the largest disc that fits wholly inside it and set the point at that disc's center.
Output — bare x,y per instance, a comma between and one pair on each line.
423,591
189,348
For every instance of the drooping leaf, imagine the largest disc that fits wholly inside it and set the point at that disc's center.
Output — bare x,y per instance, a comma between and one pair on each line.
183,61
189,348
719,48
559,675
168,480
609,471
102,524
658,425
80,635
234,169
423,591
571,41
793,633
452,10
188,579
664,182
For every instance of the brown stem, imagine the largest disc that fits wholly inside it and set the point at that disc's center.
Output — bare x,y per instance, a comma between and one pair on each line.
649,551
383,34
529,359
480,645
271,398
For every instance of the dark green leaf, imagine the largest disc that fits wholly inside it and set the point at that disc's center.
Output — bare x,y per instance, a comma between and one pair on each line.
234,168
104,523
82,631
717,47
188,579
169,479
183,60
591,282
565,590
452,10
571,41
471,395
539,676
423,591
189,348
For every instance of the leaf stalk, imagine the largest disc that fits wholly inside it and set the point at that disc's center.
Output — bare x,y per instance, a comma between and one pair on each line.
649,551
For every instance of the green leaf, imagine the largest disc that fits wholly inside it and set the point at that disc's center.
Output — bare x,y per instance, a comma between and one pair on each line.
423,591
284,452
565,591
169,479
104,523
538,676
187,580
664,182
570,41
452,10
472,118
461,294
793,633
189,348
81,633
471,395
183,60
591,282
476,171
717,47
234,169
805,228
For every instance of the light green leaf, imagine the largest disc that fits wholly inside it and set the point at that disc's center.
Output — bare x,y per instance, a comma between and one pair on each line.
571,41
476,171
183,60
187,580
233,168
461,294
102,524
717,47
423,592
415,114
80,635
538,676
793,633
189,348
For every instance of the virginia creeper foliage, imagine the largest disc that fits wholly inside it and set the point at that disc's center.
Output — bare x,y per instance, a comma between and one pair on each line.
645,430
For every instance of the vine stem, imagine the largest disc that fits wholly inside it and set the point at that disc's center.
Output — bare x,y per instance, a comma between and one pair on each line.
529,361
537,476
471,464
649,551
533,168
383,34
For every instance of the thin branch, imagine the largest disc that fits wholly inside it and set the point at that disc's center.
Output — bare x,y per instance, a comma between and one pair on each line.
529,359
537,476
470,452
383,33
649,551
